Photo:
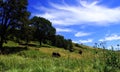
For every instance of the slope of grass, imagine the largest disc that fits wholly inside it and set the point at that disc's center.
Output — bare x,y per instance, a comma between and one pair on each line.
35,61
40,60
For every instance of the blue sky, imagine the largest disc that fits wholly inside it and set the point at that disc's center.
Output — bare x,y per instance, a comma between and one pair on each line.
83,21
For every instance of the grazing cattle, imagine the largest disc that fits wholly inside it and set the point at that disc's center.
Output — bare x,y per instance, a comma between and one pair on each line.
56,54
80,51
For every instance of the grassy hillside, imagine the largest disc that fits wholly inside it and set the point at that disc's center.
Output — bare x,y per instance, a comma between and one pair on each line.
39,59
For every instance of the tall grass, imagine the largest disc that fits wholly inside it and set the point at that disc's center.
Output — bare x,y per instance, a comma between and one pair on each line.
112,61
108,61
29,61
35,61
41,60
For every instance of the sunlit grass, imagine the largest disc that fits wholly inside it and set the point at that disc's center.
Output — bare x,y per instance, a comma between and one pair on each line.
11,44
15,63
40,60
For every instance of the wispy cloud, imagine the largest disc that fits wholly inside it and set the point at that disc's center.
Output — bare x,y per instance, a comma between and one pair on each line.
88,3
81,34
84,41
88,13
111,38
64,30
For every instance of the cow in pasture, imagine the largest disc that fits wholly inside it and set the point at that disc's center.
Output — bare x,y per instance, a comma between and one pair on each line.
56,54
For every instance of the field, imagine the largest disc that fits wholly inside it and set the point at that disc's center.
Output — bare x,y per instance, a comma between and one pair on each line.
39,59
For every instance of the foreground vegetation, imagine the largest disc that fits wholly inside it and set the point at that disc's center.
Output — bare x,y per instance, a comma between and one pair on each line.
37,59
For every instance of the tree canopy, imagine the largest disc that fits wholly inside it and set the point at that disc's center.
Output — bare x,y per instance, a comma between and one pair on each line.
13,13
43,28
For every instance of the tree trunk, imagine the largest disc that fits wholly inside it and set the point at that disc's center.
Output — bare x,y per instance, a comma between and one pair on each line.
40,43
27,43
1,43
1,46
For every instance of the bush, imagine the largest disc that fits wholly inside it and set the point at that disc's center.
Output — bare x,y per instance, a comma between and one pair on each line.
112,61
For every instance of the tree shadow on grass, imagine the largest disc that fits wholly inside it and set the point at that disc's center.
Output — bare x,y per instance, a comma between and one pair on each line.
45,46
31,45
12,50
35,46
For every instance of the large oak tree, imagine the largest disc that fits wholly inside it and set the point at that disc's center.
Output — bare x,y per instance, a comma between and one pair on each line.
13,13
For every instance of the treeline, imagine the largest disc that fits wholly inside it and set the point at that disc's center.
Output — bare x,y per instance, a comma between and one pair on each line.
60,41
16,25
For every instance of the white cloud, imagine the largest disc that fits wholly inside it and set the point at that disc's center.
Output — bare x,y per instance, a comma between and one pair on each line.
63,30
101,40
75,41
81,34
111,38
85,3
89,13
86,41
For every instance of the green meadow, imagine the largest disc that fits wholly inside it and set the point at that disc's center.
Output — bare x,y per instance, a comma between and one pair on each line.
39,59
